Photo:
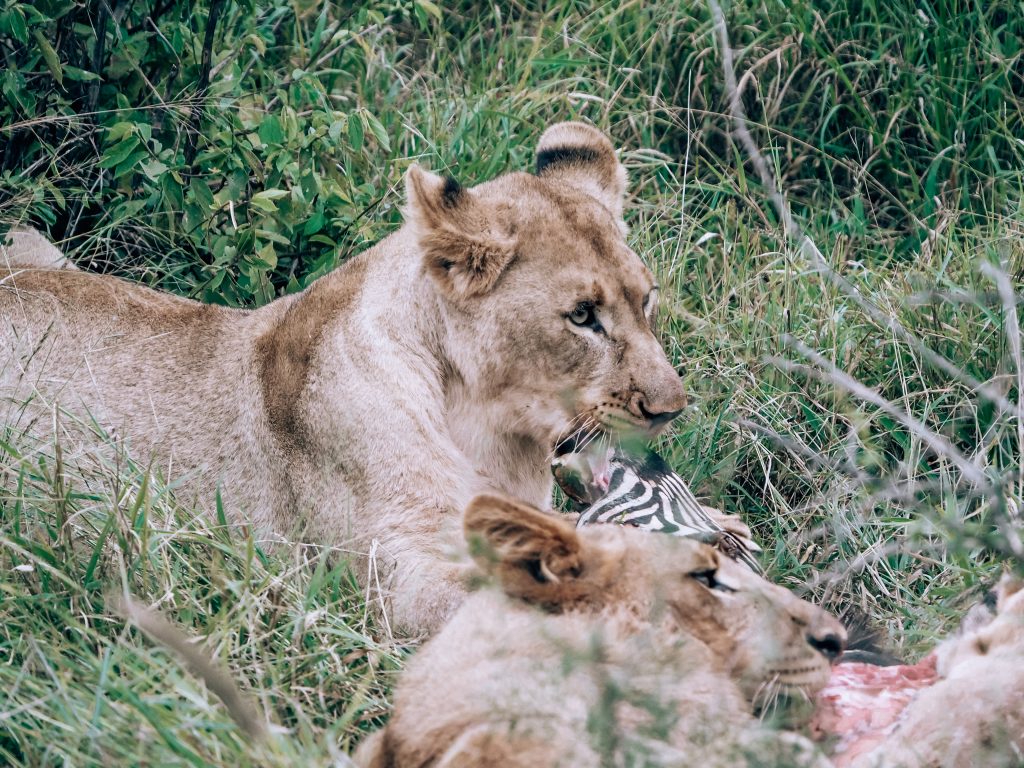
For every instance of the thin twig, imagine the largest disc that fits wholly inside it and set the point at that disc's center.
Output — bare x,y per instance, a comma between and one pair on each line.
192,141
174,639
98,52
810,250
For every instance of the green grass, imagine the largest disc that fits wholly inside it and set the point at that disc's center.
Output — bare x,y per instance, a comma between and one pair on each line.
80,687
894,129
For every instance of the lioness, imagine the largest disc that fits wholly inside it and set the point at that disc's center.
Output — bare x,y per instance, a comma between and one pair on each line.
974,716
445,361
602,643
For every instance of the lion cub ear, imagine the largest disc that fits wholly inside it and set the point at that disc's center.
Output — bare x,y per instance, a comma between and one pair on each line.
464,249
580,156
534,555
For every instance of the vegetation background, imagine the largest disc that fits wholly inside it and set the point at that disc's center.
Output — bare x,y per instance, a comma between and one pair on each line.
864,413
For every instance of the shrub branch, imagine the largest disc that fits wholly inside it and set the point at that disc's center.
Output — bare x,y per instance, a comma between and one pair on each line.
192,140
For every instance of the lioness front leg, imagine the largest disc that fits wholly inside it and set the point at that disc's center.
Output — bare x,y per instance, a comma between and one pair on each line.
425,591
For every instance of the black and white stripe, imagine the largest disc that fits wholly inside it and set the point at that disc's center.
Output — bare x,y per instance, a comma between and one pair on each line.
646,493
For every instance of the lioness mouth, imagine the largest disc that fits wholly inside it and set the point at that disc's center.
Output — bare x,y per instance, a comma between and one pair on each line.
580,439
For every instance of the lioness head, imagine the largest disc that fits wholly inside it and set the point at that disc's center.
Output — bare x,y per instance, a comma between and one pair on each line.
1001,637
772,643
548,309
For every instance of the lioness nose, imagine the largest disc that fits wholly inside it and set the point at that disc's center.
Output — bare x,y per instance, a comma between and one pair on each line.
828,644
656,418
661,396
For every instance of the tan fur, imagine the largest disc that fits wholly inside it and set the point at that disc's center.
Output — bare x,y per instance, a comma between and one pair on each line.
26,247
975,715
604,622
371,407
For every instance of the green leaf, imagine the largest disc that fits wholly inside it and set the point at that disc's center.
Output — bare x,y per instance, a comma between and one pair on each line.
314,224
119,152
355,131
273,236
335,130
262,204
421,16
49,56
264,200
130,163
52,10
321,25
266,259
378,131
430,8
118,131
270,130
13,23
58,198
273,194
200,191
154,169
79,75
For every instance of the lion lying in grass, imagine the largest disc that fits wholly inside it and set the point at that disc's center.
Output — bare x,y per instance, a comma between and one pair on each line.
605,644
612,645
366,411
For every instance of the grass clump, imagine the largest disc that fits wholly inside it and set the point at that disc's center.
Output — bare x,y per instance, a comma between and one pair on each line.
81,686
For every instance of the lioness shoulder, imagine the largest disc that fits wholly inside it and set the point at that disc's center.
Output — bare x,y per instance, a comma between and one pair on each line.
27,247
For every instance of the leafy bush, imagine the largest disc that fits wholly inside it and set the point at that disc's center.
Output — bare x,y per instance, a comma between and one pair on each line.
213,136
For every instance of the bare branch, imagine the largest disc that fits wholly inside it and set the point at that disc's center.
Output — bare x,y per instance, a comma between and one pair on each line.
172,638
192,141
810,250
827,371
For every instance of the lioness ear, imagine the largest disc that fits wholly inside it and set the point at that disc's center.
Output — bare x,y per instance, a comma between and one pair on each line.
535,555
463,248
1008,587
580,156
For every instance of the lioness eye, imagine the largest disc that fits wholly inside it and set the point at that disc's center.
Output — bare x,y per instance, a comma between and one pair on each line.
707,578
585,316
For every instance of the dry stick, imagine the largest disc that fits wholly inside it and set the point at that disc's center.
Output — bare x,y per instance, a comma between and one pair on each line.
98,52
1012,323
959,296
192,141
166,634
810,250
829,372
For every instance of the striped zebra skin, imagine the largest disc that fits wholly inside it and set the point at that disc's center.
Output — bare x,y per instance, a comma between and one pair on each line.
646,493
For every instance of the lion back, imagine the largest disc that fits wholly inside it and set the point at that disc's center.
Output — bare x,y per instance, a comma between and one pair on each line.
27,247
